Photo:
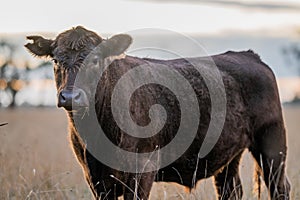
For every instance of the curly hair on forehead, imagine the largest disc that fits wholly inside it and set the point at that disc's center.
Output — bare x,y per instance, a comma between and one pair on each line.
77,38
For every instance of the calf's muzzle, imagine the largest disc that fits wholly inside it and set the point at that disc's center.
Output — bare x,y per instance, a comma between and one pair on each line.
72,99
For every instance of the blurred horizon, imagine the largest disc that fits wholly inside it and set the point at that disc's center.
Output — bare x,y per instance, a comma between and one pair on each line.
37,87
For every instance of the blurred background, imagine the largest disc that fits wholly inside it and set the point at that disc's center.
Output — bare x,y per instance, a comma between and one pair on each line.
35,159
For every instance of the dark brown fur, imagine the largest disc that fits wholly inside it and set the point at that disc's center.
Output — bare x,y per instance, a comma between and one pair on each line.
253,119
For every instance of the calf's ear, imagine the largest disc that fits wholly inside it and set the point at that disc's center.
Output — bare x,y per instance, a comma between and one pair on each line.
116,45
40,46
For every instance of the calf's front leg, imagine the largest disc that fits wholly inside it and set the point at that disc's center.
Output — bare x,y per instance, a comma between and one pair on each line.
138,186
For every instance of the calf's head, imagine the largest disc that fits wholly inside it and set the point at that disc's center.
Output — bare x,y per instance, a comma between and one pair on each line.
72,51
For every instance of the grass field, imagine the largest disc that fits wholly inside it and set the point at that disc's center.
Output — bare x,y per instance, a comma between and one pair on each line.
36,161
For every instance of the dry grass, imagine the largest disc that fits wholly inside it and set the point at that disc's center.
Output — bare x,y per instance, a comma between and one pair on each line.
36,161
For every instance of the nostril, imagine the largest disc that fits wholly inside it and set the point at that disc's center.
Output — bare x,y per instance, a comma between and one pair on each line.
62,96
77,96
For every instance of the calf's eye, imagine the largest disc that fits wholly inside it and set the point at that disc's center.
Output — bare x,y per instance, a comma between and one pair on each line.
95,61
55,61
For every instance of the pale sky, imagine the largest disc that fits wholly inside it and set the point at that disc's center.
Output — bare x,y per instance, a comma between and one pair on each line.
113,16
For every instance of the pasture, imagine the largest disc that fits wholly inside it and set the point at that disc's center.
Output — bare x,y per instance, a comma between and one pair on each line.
36,161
